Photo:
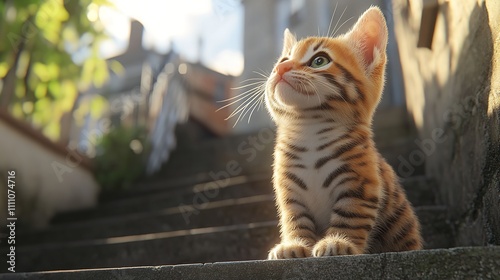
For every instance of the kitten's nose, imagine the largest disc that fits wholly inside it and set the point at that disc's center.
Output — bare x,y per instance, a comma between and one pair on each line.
284,67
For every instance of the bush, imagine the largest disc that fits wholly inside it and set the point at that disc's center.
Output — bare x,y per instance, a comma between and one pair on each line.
121,157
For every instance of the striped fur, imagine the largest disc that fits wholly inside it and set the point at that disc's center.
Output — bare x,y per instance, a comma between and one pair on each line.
335,194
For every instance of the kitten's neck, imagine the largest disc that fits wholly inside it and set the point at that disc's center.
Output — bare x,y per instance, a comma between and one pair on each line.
303,131
305,121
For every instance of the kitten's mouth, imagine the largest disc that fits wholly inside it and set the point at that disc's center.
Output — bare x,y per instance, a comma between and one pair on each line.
283,80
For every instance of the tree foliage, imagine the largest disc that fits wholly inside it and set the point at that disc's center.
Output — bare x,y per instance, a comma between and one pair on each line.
49,52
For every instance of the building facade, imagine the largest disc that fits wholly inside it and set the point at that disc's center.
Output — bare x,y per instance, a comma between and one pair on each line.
265,22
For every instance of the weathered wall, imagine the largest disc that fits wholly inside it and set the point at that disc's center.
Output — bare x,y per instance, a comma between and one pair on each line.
453,97
47,181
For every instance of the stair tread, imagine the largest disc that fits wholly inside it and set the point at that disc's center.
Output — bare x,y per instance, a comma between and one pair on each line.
217,213
171,184
217,243
455,263
419,190
172,196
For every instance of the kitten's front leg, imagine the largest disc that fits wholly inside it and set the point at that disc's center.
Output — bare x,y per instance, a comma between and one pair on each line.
298,231
353,216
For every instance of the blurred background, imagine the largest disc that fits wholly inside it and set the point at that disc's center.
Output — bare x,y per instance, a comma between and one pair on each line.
108,82
105,101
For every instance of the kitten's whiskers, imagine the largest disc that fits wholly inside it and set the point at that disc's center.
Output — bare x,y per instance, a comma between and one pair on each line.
335,31
331,35
249,104
331,20
246,102
238,98
249,99
258,82
256,105
264,74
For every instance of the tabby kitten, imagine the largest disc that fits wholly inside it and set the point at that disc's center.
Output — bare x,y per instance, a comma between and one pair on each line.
335,194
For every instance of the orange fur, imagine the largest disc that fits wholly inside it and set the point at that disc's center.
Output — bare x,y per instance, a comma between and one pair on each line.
335,194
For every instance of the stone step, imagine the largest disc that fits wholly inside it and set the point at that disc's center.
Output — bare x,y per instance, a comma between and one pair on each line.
209,244
455,263
420,191
152,187
235,187
217,213
252,153
229,243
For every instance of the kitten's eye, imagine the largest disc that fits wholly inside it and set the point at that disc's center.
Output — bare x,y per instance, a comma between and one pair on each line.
319,61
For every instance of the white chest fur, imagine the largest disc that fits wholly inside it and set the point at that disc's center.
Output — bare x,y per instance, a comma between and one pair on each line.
316,197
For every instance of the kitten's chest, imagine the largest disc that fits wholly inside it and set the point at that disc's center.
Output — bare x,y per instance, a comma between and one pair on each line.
313,142
310,140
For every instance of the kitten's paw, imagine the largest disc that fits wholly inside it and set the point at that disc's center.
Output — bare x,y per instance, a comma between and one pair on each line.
289,251
335,245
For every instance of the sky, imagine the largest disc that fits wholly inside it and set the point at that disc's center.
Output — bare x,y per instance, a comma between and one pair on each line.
181,25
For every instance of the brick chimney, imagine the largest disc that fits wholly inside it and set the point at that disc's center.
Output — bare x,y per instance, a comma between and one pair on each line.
135,40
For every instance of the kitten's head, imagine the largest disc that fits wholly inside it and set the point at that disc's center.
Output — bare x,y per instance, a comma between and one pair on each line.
340,77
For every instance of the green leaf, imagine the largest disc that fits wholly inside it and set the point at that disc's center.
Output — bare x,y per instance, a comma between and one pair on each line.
55,89
20,89
52,131
43,105
53,70
116,67
70,93
97,106
81,112
27,107
87,72
4,68
41,90
40,70
101,74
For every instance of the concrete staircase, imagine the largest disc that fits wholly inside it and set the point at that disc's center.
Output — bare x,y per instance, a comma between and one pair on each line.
214,203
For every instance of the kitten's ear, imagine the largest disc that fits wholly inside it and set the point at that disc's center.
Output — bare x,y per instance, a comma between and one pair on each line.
288,42
369,36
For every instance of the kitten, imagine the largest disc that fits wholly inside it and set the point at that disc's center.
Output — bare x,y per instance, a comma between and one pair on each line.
335,194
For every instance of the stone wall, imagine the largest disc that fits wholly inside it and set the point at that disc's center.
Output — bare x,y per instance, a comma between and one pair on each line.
452,84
